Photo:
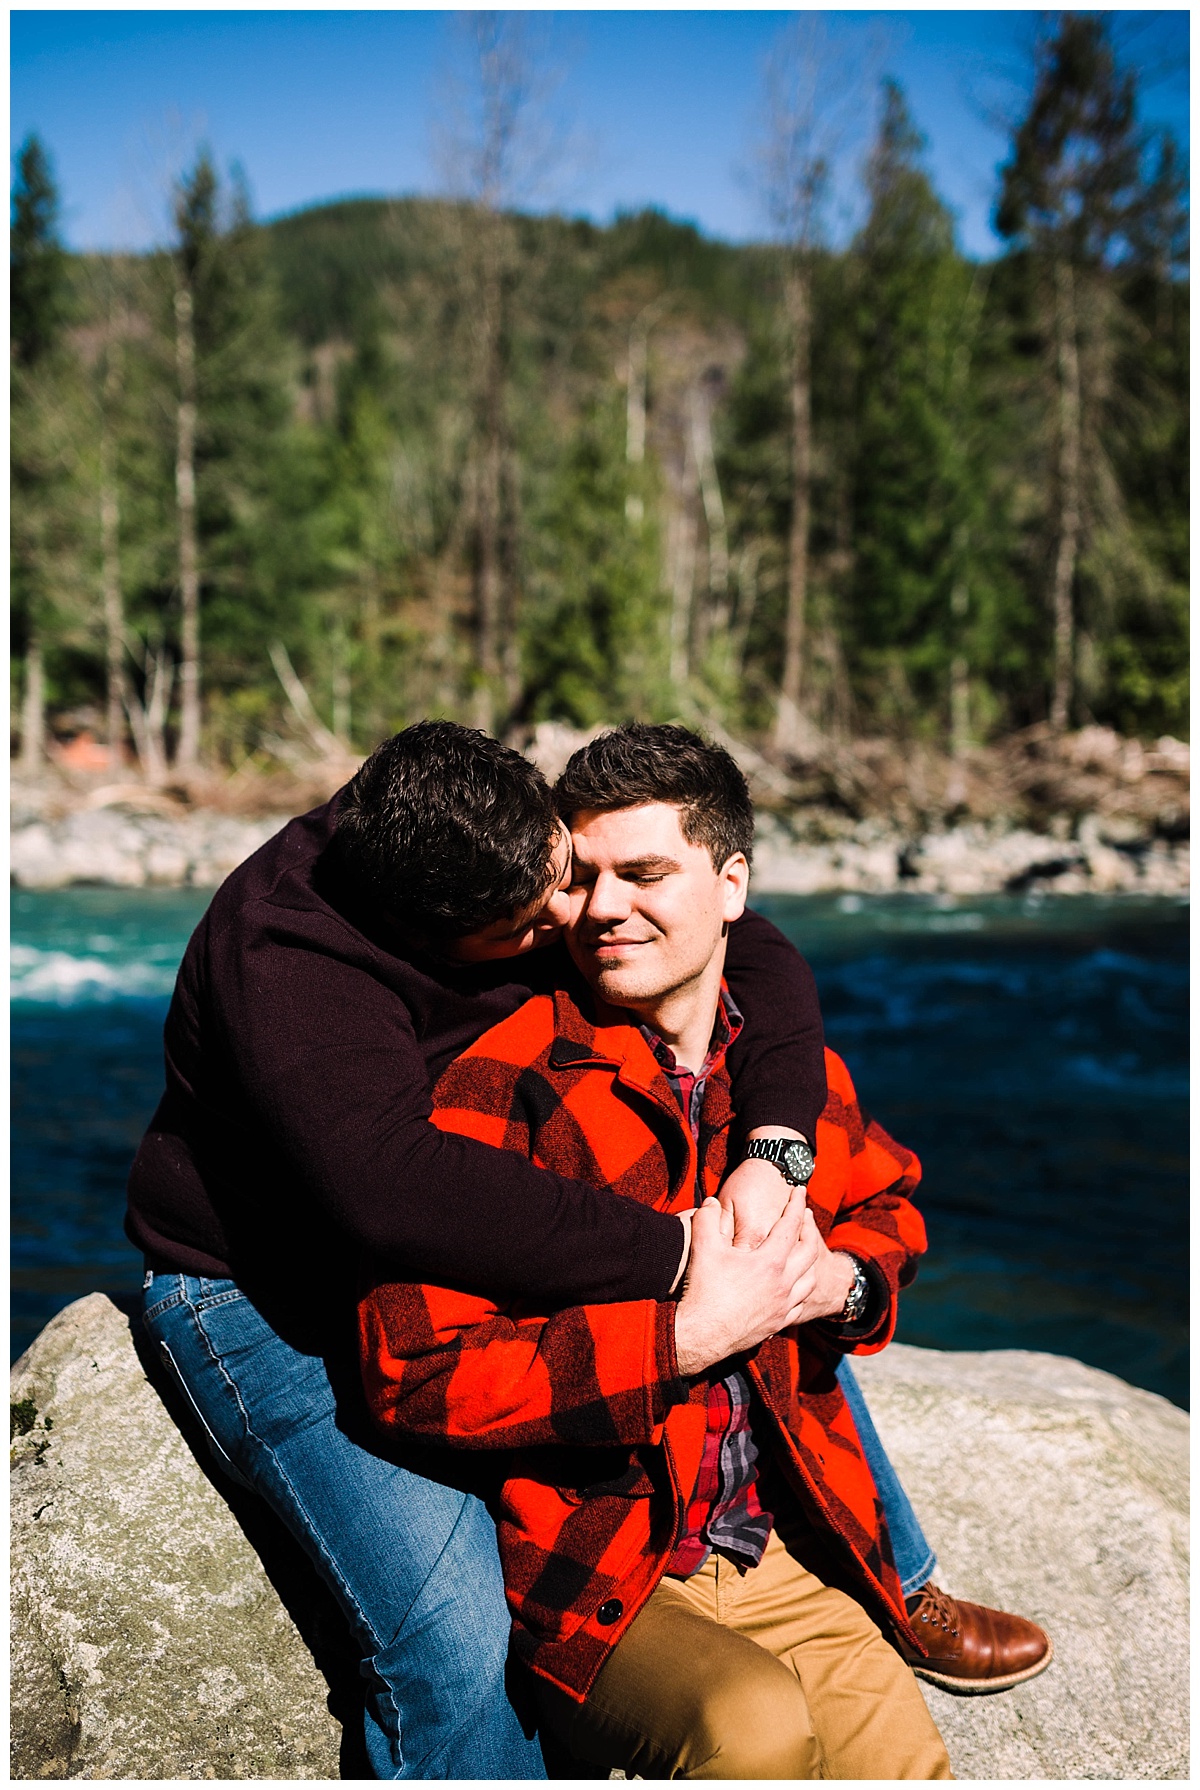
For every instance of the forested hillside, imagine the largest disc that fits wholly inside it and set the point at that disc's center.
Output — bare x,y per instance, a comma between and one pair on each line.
287,486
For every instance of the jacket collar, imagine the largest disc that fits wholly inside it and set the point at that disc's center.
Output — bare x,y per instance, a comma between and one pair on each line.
579,1040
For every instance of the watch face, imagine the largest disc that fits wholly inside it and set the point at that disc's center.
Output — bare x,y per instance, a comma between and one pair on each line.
800,1161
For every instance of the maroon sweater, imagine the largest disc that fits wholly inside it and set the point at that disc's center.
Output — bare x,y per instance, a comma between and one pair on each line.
294,1132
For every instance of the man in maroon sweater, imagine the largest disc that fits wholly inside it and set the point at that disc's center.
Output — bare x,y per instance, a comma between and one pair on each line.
332,979
327,986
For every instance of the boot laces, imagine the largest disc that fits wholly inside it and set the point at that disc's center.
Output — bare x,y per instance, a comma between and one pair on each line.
936,1606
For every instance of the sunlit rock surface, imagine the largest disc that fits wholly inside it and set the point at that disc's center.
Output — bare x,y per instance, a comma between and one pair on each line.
1058,1491
150,1642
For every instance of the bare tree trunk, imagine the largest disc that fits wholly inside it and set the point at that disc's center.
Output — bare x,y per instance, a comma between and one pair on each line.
960,672
148,716
716,611
488,484
114,619
681,571
747,603
339,681
326,744
110,573
187,752
510,580
1069,470
960,704
635,414
788,713
33,709
960,695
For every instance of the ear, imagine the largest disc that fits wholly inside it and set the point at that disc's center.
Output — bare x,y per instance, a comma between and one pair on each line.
735,884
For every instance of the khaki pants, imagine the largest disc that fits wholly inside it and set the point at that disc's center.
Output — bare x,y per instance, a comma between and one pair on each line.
762,1674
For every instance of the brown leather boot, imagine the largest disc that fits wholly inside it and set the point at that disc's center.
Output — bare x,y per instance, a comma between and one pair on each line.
973,1649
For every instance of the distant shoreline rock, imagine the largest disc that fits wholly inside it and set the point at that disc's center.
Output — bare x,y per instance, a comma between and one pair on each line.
119,847
975,858
159,1631
1082,813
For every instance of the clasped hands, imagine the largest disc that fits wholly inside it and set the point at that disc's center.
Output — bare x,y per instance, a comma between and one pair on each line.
758,1264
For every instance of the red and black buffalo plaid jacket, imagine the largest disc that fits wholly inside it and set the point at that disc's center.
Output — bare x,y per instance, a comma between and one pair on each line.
602,1437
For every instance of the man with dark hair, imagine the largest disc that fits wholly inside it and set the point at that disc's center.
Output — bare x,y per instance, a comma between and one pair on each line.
444,829
640,764
334,976
965,1647
676,1517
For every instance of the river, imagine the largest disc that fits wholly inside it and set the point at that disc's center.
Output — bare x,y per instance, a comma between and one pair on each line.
1032,1051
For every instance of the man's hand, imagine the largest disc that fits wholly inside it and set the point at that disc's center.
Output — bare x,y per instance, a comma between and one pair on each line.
734,1298
833,1276
756,1193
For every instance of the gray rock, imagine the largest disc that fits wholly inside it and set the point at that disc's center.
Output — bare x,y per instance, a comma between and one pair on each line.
1060,1492
127,849
973,859
131,846
147,1638
150,1642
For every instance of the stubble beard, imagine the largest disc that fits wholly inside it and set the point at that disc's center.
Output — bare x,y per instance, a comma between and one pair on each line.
638,988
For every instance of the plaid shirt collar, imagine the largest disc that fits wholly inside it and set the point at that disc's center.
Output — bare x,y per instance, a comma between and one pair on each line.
688,1085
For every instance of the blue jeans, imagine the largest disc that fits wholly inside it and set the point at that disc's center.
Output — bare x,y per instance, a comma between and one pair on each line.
915,1559
398,1551
412,1563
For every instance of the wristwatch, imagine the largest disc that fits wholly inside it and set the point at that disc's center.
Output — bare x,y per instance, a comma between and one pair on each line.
860,1292
793,1157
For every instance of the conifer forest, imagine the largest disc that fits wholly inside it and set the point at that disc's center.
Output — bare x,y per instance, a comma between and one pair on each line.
295,484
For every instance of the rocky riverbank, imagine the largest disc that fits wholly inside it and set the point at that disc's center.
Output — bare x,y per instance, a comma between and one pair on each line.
976,858
1070,814
1081,813
164,1628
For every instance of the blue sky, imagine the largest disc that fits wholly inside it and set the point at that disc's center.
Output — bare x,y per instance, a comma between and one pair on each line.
655,107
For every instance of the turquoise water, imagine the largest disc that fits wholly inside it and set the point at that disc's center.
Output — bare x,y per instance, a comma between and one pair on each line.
1033,1052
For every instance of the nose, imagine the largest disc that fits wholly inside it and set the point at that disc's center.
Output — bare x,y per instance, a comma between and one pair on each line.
608,901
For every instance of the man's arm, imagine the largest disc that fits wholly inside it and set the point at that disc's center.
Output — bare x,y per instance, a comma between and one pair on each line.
334,1083
777,1063
860,1195
458,1370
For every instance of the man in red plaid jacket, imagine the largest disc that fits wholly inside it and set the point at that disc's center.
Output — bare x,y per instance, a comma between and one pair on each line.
694,1553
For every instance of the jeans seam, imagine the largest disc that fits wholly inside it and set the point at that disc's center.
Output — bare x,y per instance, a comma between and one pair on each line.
152,1311
390,1689
314,1536
209,1301
164,1349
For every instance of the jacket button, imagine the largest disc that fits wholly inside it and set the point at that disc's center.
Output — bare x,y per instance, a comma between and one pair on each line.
610,1612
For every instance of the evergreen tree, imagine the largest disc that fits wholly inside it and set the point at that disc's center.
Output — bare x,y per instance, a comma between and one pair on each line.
37,264
44,512
913,485
231,415
1070,196
646,451
594,647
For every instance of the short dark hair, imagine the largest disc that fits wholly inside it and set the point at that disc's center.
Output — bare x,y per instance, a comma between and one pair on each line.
640,763
447,830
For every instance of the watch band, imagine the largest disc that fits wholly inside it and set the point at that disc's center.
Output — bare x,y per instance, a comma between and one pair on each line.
859,1294
793,1157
